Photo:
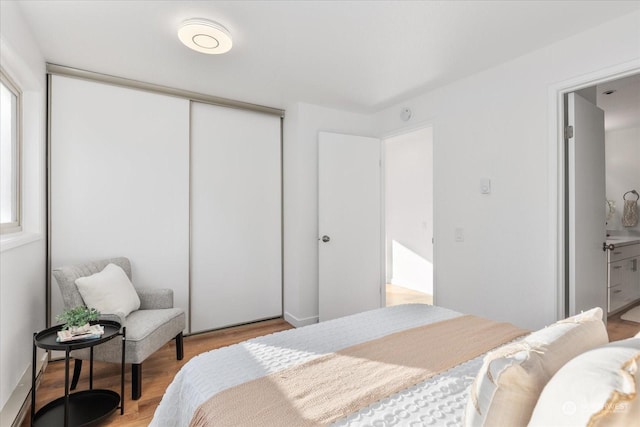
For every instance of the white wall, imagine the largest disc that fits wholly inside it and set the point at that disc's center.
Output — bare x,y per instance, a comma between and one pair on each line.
622,154
495,124
408,160
300,174
23,256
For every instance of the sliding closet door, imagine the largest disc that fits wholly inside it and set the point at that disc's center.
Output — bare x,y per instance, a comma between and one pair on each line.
236,267
120,182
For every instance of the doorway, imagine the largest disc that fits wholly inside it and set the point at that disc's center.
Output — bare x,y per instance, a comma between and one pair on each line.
408,216
619,102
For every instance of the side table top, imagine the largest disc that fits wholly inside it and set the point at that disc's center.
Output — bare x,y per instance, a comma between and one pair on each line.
47,338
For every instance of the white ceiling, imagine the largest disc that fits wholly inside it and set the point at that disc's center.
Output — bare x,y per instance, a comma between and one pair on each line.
621,108
355,55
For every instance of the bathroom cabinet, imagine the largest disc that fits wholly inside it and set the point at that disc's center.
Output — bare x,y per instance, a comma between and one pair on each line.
623,273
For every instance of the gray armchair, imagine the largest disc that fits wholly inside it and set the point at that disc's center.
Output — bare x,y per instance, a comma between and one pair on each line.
148,328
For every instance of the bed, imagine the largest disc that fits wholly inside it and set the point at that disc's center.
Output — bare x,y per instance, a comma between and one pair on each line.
246,383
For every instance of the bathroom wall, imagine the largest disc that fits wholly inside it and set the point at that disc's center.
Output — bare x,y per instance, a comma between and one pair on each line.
622,154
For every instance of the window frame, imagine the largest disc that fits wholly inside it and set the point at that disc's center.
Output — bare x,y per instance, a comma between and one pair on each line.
15,226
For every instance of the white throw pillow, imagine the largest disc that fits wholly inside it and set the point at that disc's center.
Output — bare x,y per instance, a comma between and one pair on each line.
109,291
597,388
512,377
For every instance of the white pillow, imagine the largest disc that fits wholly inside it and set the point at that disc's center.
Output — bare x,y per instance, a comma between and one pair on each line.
109,292
512,377
597,388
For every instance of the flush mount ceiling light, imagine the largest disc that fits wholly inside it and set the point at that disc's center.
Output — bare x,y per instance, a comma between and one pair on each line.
205,36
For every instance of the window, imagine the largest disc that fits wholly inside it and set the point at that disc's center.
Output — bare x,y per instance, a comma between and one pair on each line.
10,123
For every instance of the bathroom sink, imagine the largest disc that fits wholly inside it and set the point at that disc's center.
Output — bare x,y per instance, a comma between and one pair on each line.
622,240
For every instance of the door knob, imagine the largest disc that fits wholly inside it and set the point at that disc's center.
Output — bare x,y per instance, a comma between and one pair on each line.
326,238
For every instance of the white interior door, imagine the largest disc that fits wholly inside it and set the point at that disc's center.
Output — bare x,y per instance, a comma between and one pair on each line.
587,229
236,225
349,224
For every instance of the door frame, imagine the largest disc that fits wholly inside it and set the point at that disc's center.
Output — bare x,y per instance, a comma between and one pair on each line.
557,167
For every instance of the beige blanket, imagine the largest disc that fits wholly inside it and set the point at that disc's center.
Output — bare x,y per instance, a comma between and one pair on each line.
333,386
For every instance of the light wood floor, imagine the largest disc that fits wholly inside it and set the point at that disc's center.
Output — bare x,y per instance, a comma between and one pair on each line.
157,372
397,295
160,368
620,329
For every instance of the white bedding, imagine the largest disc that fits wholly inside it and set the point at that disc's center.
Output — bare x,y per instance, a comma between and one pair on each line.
437,401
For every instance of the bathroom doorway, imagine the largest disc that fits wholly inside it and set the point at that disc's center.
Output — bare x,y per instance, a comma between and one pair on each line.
602,276
620,100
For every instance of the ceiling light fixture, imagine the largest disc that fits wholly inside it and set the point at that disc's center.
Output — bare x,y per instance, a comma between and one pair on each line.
205,36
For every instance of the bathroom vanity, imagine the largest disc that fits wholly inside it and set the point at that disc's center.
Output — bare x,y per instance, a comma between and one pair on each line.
623,273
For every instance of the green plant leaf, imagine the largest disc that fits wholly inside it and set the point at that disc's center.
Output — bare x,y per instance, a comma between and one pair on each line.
78,316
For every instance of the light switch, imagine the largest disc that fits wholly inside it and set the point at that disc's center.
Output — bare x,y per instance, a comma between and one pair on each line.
459,234
485,186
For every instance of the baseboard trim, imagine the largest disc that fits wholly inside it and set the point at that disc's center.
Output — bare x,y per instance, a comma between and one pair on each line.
297,322
19,403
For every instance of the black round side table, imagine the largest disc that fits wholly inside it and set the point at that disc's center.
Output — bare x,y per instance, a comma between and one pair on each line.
82,407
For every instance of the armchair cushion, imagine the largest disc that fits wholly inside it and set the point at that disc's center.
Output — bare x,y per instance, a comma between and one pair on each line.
155,298
110,291
116,317
147,331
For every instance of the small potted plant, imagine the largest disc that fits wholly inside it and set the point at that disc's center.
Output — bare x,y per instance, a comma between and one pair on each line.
77,319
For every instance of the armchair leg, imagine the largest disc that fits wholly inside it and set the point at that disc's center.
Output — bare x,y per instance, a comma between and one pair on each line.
136,381
179,347
77,367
